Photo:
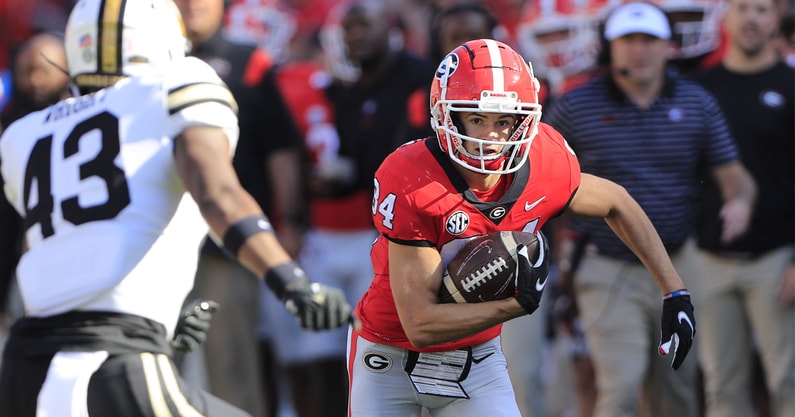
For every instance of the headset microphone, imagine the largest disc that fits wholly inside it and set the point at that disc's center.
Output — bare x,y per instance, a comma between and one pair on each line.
624,72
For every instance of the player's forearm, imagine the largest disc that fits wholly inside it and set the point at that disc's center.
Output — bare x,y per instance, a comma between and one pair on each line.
223,211
440,323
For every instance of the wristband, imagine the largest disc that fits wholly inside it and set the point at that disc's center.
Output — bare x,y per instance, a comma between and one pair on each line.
283,276
676,293
237,234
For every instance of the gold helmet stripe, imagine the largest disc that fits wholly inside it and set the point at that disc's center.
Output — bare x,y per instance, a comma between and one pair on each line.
111,18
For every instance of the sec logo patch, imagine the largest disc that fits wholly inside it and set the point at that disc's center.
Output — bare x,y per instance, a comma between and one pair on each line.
457,223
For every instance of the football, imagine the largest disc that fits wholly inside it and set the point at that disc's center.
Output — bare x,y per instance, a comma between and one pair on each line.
485,268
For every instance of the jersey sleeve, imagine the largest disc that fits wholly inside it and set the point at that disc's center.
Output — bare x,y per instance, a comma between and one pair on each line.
564,173
397,213
196,96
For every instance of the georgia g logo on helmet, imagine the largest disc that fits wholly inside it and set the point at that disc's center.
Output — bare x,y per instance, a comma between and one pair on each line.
448,66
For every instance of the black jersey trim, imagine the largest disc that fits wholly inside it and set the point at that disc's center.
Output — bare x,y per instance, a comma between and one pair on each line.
568,203
515,190
418,243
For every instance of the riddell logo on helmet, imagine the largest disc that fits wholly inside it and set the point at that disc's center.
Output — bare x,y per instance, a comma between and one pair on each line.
448,66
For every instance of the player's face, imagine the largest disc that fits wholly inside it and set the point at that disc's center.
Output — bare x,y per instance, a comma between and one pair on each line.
488,126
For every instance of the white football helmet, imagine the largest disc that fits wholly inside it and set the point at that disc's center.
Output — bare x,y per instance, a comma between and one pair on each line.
107,40
696,25
485,76
331,37
559,37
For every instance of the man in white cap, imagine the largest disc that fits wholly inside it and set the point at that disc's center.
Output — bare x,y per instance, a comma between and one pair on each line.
655,134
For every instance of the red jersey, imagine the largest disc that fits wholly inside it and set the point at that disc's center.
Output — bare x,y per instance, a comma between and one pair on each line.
302,84
420,199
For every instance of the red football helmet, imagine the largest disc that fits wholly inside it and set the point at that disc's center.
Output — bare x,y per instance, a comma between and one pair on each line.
485,76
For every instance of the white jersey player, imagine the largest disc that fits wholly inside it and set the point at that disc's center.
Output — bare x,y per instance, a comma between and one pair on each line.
100,180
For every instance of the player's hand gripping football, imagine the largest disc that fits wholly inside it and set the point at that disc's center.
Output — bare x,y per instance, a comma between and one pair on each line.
531,277
678,326
317,306
193,325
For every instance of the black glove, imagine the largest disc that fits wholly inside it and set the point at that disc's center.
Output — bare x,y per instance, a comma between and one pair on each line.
193,324
317,306
531,278
678,326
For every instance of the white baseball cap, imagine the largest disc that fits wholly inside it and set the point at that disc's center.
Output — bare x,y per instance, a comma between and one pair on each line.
637,18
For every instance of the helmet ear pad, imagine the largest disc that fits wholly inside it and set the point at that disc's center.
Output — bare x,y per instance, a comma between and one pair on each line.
455,117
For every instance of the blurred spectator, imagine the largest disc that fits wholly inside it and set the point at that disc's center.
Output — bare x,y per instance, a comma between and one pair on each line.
458,23
268,163
649,130
745,288
21,19
39,77
387,104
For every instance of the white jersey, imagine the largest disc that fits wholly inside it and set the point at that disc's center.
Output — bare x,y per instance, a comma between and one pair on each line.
108,223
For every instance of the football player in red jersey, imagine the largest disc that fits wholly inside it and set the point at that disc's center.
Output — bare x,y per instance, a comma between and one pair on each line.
493,166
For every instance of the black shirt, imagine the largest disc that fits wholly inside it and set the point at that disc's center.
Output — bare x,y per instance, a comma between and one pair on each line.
373,120
760,109
266,124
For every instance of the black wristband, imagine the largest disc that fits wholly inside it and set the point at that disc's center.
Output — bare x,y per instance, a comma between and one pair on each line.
237,234
284,277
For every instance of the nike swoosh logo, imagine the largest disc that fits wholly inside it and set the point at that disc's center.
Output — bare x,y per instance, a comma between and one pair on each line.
529,206
541,255
482,358
682,316
540,285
